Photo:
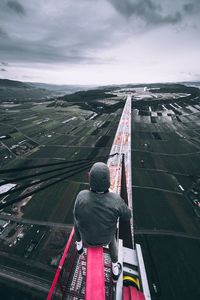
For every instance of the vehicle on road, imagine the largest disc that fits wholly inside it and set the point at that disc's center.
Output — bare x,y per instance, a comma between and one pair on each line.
196,202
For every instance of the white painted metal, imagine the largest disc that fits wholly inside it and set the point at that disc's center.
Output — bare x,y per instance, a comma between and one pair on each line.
143,275
119,285
130,271
130,256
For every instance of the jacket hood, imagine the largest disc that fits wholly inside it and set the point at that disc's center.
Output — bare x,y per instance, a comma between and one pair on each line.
99,178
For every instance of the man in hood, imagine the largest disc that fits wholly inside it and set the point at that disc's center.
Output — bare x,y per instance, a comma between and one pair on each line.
96,212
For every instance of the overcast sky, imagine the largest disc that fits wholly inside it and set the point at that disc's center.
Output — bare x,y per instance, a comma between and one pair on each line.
100,41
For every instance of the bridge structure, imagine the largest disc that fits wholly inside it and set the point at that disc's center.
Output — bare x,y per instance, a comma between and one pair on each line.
89,276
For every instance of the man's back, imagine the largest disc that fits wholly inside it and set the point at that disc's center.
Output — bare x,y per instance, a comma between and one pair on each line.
96,215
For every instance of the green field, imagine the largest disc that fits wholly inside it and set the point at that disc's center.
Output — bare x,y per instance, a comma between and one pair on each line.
54,134
165,155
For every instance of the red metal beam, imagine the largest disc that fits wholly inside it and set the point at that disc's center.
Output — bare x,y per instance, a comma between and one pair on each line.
131,293
95,287
59,268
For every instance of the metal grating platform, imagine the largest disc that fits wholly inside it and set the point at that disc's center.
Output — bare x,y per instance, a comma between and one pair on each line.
71,285
76,288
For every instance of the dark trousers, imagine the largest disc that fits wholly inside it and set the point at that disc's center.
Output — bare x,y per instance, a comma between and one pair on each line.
112,245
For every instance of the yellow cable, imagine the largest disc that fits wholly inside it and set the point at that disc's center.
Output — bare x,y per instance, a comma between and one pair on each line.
132,279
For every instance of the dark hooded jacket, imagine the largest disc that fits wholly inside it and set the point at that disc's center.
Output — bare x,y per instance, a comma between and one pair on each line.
97,210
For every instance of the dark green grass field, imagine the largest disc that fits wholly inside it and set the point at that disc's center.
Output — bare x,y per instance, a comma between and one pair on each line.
172,265
158,210
165,155
60,134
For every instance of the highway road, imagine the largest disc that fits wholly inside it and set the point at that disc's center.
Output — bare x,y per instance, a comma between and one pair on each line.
34,222
164,153
165,232
163,171
27,263
157,189
26,279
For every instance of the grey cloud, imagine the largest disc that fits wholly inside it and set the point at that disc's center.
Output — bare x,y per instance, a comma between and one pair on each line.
3,33
192,7
40,53
167,19
128,7
3,70
44,51
188,8
151,12
69,32
16,7
77,31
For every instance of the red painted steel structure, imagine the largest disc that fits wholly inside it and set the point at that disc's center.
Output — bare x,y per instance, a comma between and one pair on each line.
59,268
121,145
95,260
95,287
121,141
131,293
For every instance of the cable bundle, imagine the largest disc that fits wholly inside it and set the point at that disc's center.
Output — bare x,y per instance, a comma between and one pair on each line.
72,168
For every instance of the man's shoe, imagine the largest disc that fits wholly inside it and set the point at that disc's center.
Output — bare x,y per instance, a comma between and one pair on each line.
116,271
79,247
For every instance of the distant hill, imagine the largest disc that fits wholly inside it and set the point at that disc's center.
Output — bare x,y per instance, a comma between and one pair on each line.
177,88
17,91
193,83
176,85
61,88
6,83
12,90
90,95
